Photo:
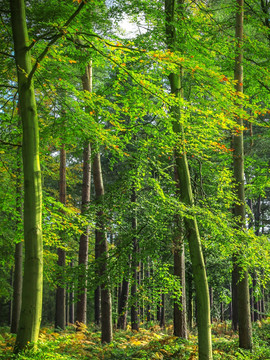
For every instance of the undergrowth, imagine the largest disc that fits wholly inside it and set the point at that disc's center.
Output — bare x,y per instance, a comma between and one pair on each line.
152,343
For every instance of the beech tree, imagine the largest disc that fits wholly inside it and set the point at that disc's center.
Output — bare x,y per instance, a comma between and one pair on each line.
186,196
33,267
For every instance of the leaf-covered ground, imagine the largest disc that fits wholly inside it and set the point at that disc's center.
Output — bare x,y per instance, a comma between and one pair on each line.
147,344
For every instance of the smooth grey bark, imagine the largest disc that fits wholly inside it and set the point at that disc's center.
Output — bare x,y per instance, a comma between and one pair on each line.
102,244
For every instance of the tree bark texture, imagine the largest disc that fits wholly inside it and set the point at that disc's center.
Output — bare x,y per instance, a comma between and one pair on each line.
186,196
86,186
244,318
106,302
30,317
18,271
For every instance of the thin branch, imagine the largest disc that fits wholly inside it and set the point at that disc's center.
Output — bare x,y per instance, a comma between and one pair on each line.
265,86
54,39
9,86
7,54
10,144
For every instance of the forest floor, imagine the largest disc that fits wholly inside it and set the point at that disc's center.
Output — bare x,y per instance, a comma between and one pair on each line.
151,343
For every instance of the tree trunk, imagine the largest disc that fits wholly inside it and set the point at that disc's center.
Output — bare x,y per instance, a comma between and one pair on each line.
134,306
60,307
86,187
122,306
147,275
190,301
71,300
18,271
162,313
235,277
245,330
101,238
186,196
33,266
180,318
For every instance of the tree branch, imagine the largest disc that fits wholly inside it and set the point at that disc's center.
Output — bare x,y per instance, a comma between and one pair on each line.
54,39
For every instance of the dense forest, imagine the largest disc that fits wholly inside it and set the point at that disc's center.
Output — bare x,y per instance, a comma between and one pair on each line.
134,170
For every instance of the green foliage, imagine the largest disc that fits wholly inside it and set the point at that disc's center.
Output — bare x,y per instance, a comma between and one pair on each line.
147,344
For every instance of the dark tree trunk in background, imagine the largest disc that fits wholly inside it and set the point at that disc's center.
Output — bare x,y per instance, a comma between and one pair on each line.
235,277
71,300
98,289
102,244
134,306
162,312
147,275
122,305
60,308
180,318
190,301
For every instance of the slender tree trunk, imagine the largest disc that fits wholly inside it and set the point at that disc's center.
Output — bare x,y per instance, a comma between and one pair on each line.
190,301
60,307
18,271
134,306
159,308
71,300
106,302
245,330
33,266
147,275
97,294
122,305
180,318
186,196
162,313
235,278
86,186
141,300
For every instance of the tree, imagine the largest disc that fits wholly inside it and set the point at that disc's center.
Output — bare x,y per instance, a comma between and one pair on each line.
32,282
60,306
101,239
86,186
245,329
173,9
